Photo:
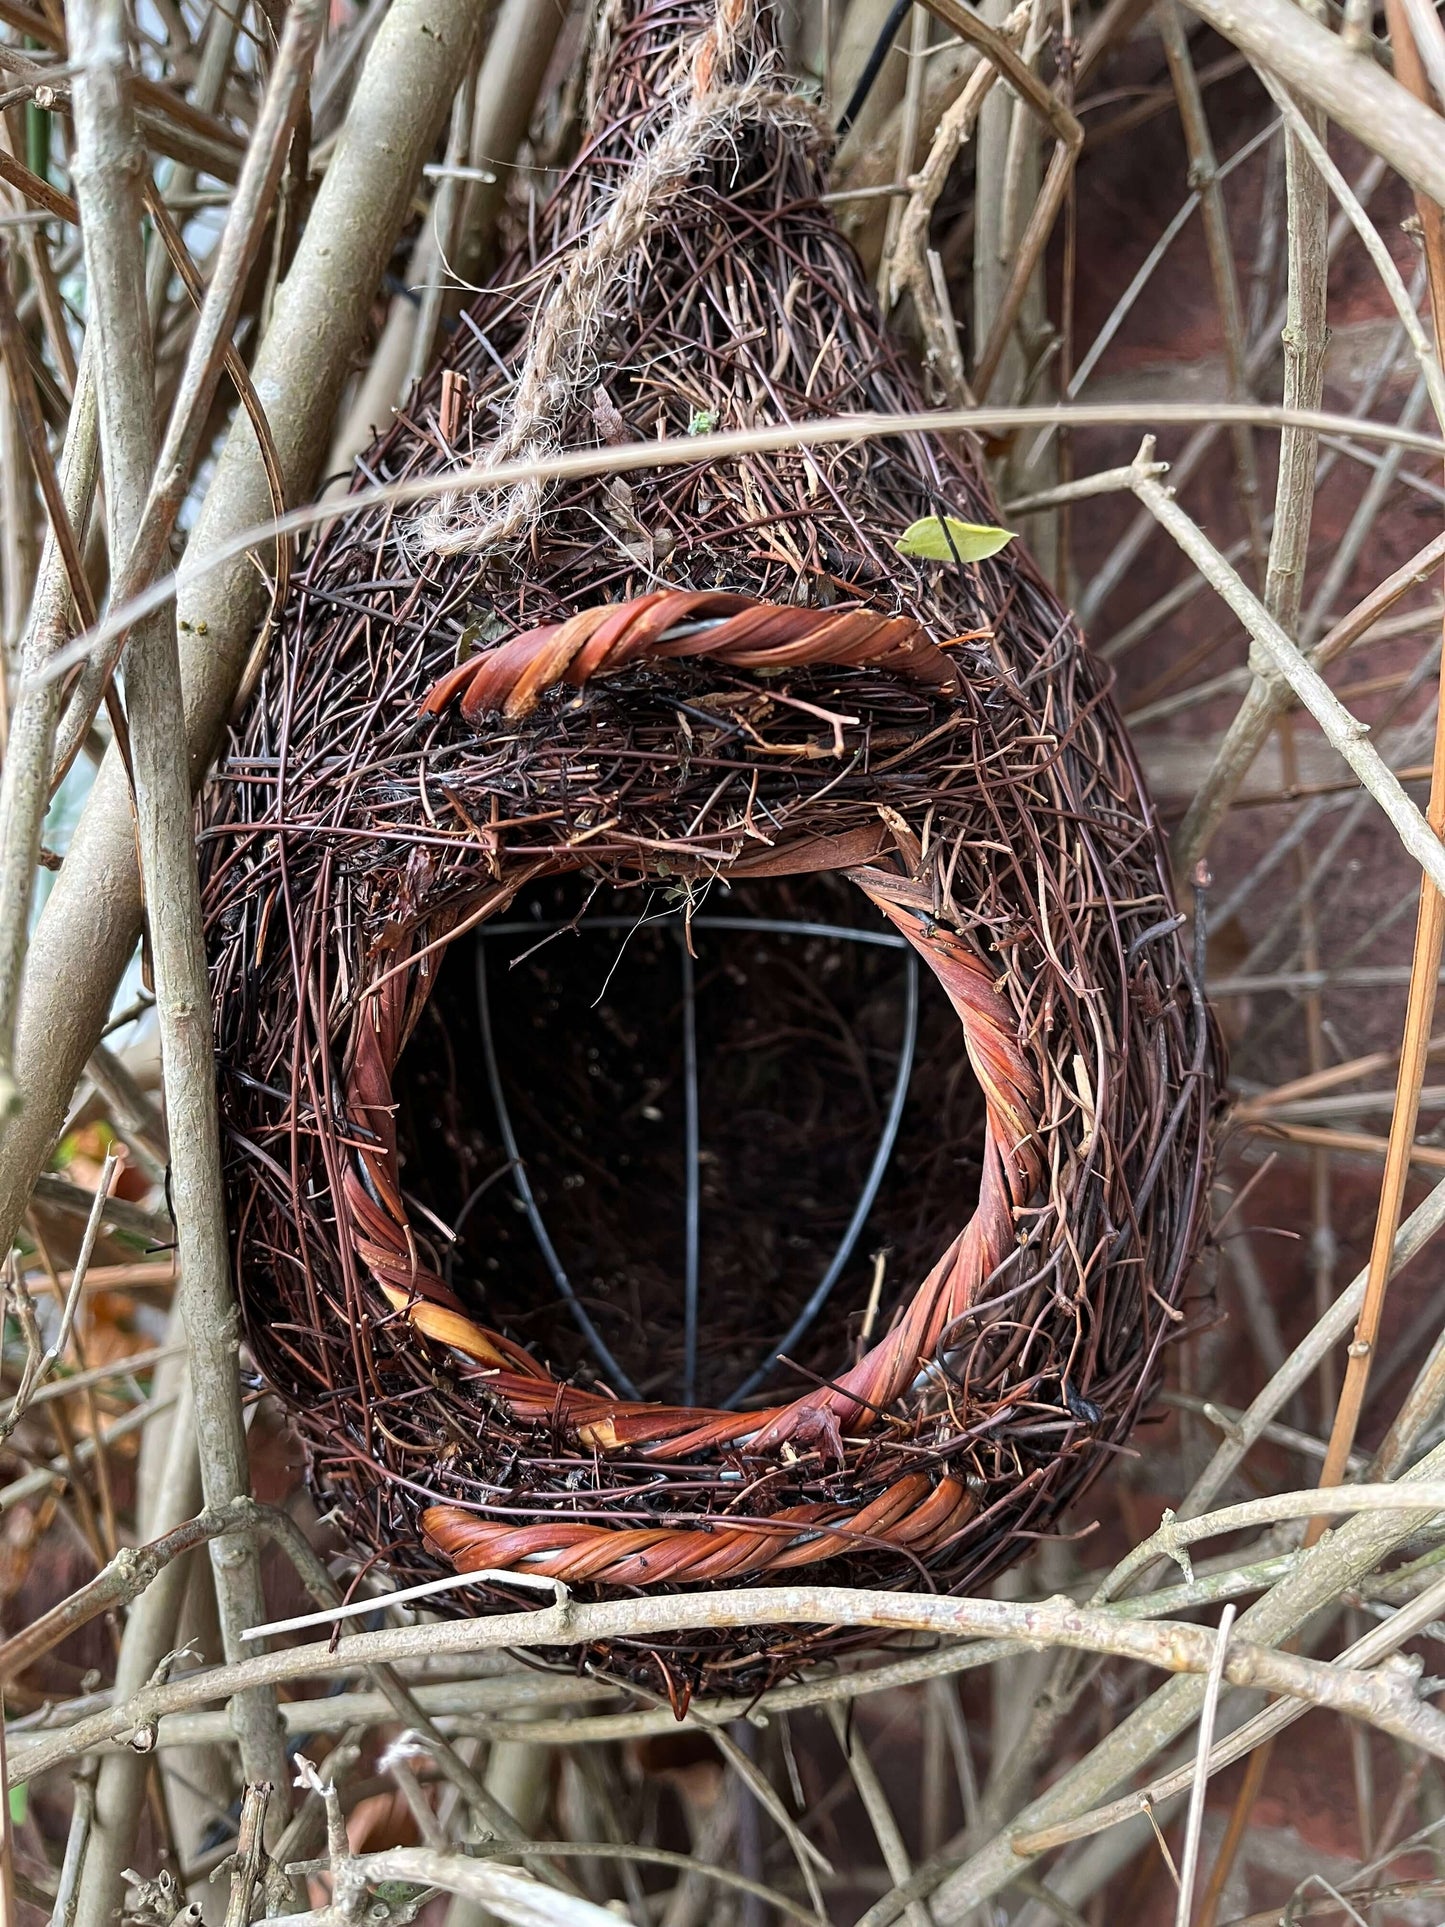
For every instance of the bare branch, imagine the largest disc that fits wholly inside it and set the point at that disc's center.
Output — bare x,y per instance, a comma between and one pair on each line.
1347,734
1171,1645
92,919
1349,87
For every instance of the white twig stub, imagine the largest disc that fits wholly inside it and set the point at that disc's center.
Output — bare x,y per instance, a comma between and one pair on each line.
1194,1826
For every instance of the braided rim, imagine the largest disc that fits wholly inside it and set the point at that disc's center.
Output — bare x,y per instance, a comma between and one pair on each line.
916,1512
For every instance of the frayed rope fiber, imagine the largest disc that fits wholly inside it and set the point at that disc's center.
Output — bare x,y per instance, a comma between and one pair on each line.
704,111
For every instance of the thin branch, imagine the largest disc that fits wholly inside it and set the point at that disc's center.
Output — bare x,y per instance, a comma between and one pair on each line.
37,1368
249,1856
16,360
1189,1859
1429,929
77,1839
1108,481
685,1863
1352,91
440,233
87,932
500,1710
106,172
15,174
25,782
1204,179
59,1194
98,1374
210,343
510,1895
1347,734
1320,1577
677,451
1175,1535
1414,1234
130,1573
1374,1647
130,1108
1305,337
1269,693
170,1491
907,262
1117,564
1309,139
1171,1645
880,1813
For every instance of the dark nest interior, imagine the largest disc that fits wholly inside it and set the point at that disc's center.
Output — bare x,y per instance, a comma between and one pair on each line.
838,1131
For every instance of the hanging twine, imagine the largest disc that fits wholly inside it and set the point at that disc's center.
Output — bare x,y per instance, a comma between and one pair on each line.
706,108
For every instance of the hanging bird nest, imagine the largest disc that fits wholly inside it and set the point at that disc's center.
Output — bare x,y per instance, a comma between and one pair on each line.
615,1198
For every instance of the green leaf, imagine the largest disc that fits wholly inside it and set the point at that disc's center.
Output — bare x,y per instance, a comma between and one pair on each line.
478,634
19,1802
943,538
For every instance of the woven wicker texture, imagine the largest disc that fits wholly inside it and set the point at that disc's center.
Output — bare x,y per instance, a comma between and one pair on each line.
703,677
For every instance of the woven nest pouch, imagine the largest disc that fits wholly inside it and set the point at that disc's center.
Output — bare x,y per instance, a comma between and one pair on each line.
714,1088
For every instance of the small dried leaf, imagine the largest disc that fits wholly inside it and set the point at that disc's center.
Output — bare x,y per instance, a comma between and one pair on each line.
943,538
